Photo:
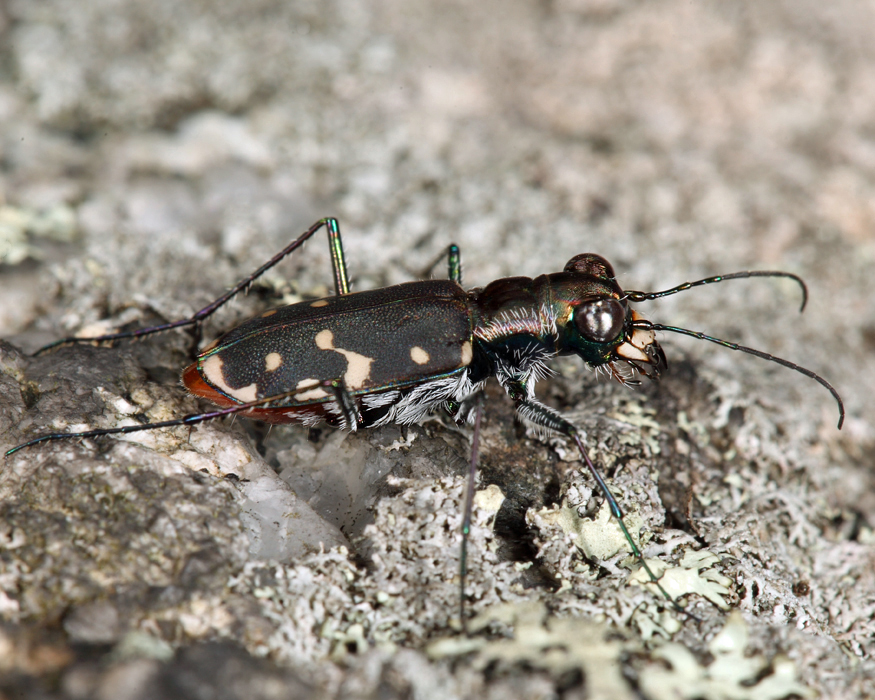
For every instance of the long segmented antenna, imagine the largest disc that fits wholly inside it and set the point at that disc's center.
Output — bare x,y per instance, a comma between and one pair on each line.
649,296
648,326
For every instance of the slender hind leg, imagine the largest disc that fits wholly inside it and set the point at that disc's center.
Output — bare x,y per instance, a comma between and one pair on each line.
338,263
346,403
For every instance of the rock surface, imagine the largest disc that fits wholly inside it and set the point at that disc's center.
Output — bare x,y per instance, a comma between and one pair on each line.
155,153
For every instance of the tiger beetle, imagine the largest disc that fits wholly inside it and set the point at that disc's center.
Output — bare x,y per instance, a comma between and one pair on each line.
393,355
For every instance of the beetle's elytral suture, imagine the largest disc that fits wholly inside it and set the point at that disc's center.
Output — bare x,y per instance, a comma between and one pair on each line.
393,355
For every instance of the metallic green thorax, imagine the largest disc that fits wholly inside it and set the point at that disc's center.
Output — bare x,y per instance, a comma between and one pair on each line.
580,311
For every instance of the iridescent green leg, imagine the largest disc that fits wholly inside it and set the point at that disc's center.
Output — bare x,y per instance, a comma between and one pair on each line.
454,263
542,415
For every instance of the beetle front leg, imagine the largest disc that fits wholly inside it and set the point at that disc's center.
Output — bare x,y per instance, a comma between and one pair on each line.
539,414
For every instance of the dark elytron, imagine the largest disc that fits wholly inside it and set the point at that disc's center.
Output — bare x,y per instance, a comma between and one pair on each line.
353,338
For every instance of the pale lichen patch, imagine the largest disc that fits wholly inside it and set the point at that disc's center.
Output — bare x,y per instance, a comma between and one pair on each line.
599,539
693,575
731,674
551,644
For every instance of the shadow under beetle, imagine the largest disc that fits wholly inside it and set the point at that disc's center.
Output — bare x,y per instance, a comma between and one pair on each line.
393,355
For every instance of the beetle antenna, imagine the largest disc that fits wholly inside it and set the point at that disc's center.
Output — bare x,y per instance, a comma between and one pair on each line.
648,326
649,296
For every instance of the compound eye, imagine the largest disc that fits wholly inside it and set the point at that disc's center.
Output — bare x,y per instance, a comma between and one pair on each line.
600,321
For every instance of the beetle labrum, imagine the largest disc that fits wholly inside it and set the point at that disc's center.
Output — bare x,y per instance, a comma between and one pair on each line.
429,345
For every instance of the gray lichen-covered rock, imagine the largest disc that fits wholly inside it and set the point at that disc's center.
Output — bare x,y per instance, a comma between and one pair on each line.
155,153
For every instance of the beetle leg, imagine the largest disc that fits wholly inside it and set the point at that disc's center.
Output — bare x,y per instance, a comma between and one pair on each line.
341,285
338,259
454,264
477,399
462,411
346,403
544,416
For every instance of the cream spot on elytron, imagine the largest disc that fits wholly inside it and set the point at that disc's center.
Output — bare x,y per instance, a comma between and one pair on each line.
467,353
269,312
319,304
418,355
325,340
212,369
358,367
272,361
313,394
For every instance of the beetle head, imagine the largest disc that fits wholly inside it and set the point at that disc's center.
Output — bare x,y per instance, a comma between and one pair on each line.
601,326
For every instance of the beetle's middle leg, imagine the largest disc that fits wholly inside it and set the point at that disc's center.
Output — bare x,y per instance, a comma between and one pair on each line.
475,403
454,264
338,263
